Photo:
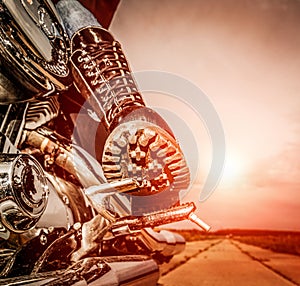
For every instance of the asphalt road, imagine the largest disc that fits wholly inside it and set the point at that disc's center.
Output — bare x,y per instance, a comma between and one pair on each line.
230,263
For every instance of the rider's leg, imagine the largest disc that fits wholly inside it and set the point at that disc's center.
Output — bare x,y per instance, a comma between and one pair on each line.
140,144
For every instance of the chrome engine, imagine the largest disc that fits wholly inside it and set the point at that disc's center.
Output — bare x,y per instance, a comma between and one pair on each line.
24,192
68,216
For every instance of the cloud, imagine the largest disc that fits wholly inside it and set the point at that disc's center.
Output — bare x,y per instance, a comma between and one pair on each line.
280,170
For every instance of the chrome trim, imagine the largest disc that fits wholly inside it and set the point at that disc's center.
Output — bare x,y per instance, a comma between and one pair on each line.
23,192
105,271
34,48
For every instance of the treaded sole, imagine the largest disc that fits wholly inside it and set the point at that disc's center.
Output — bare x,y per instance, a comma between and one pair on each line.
147,153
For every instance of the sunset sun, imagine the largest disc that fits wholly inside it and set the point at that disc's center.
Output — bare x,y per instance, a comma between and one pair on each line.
233,169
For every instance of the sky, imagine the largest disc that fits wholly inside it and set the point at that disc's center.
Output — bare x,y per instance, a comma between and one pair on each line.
245,57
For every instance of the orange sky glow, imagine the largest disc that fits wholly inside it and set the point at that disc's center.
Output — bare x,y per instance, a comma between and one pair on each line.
245,56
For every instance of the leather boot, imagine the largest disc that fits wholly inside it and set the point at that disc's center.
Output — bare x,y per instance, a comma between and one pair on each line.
139,143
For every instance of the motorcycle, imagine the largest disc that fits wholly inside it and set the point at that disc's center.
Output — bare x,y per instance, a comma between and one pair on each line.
72,212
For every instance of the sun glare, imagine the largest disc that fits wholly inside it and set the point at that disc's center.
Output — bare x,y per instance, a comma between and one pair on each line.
233,169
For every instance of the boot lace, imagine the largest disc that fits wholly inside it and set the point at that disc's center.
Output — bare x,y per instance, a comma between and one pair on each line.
107,70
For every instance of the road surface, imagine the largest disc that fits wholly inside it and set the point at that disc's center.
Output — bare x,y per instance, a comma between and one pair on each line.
230,263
